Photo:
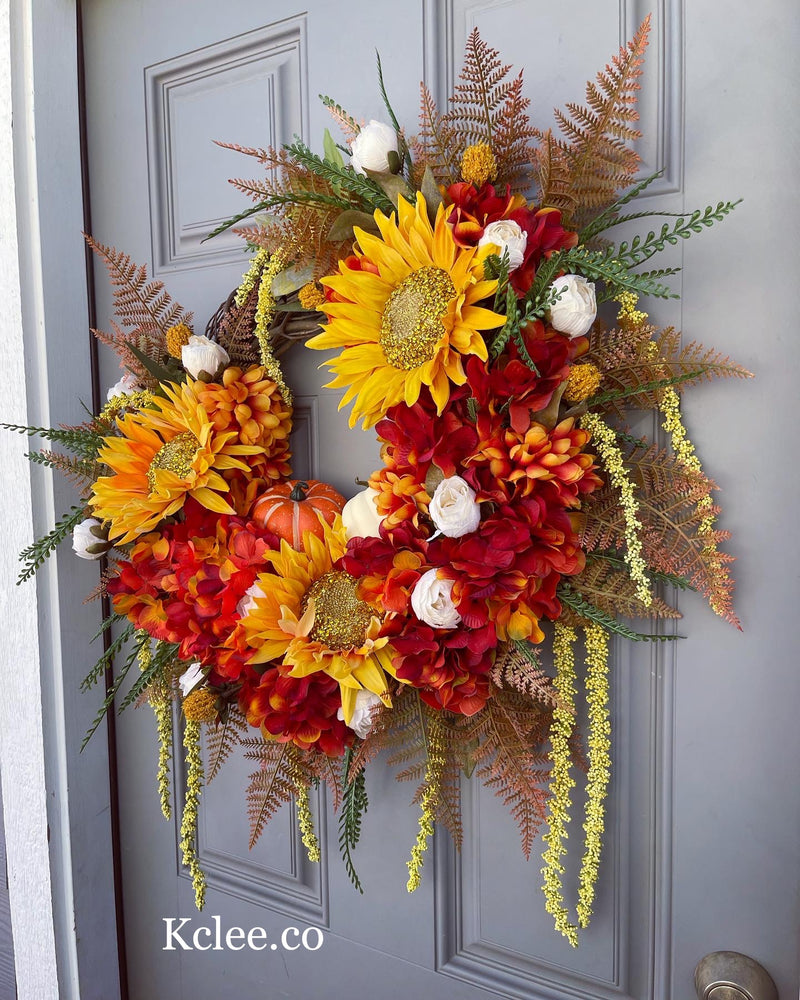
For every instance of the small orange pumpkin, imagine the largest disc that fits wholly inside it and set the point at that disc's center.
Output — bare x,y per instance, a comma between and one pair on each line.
295,507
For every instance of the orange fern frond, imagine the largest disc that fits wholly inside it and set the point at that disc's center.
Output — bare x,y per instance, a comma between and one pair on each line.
508,731
513,135
144,307
551,168
613,591
271,786
223,739
598,137
479,96
434,146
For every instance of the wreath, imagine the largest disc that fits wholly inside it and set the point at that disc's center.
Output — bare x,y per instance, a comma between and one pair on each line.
514,510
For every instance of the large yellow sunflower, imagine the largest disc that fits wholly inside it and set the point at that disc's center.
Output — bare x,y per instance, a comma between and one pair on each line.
164,453
311,617
409,324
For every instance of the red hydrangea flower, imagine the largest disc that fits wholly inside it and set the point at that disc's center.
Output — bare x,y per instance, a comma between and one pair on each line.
450,667
545,235
184,583
299,710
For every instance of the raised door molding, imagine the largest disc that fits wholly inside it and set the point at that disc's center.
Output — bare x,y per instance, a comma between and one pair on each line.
188,99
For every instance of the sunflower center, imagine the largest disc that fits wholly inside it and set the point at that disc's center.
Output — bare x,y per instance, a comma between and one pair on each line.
341,619
176,456
412,318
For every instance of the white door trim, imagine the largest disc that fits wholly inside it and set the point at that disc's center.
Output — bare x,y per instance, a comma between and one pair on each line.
60,884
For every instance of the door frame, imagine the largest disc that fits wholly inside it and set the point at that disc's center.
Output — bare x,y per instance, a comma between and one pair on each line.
61,871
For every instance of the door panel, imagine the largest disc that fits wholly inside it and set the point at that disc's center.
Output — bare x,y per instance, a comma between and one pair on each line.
164,80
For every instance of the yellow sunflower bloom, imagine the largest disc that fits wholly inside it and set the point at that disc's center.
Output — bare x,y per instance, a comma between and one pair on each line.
164,453
311,617
410,324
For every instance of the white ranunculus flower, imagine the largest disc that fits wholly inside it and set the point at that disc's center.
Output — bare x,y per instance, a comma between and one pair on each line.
453,509
509,238
576,308
432,601
203,355
360,515
248,601
371,147
361,722
125,386
191,677
88,539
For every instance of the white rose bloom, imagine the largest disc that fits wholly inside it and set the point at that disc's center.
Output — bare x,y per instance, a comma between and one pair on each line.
191,677
361,722
360,515
432,601
576,309
509,238
125,386
453,509
203,355
87,543
248,602
371,147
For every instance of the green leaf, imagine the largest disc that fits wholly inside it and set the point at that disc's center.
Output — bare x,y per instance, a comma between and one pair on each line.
342,228
431,193
577,603
160,372
394,185
363,188
354,805
288,281
332,154
34,555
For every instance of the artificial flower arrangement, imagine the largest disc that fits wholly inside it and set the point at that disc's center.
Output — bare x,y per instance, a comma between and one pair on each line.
513,508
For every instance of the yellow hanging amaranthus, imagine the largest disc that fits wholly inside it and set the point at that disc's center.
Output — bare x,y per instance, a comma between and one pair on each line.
433,778
264,268
162,709
599,765
194,785
605,441
561,782
304,818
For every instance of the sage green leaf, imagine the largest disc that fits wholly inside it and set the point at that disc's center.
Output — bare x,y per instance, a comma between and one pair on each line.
392,184
332,154
288,281
342,228
431,193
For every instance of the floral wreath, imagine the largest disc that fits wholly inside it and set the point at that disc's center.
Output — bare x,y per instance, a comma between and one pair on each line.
513,510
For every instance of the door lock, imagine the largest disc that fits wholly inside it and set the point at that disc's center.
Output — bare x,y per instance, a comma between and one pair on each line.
727,975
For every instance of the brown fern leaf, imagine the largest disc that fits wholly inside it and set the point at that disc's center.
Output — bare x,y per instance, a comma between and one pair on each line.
551,167
509,729
81,472
598,137
350,126
513,135
479,96
672,516
435,144
645,358
271,785
223,739
325,768
235,331
613,591
109,573
512,669
393,729
144,307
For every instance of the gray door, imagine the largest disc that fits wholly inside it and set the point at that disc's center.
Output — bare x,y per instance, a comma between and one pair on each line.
701,843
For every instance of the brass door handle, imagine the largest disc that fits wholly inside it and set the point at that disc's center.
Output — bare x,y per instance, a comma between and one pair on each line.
727,975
